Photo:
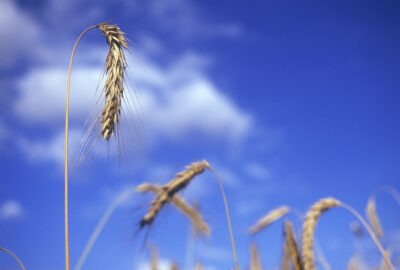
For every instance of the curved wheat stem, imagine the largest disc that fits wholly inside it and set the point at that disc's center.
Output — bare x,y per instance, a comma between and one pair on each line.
66,148
14,256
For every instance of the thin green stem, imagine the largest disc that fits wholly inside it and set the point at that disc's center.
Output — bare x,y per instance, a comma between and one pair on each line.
227,216
15,257
66,150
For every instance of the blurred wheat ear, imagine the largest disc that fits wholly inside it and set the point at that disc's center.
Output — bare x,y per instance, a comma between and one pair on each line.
310,223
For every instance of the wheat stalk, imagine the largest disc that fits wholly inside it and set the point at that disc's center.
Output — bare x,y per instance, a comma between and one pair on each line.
309,225
255,258
292,245
115,68
14,256
269,218
373,217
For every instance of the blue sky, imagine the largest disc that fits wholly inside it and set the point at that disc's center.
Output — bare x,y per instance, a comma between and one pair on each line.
289,101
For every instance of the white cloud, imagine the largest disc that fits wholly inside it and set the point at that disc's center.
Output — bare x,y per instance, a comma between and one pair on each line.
51,149
175,102
42,94
11,210
257,171
20,35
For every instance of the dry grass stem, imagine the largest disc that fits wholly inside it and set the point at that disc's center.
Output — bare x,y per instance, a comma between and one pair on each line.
255,258
179,182
373,217
292,245
114,85
14,256
269,218
309,226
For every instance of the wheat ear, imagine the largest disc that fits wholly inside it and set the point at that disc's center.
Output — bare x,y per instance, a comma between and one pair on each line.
255,258
353,263
114,85
178,183
269,218
191,212
285,263
309,225
14,256
292,245
373,217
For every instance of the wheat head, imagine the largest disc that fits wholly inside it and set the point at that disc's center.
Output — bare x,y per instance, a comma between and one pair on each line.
373,217
167,192
269,218
114,85
255,258
292,245
309,225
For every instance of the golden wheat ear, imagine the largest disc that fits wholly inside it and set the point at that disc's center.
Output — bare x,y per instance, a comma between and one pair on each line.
310,223
166,193
269,218
292,245
373,217
255,263
114,85
191,212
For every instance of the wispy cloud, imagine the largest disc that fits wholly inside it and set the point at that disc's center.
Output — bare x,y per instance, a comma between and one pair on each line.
11,209
51,149
20,35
